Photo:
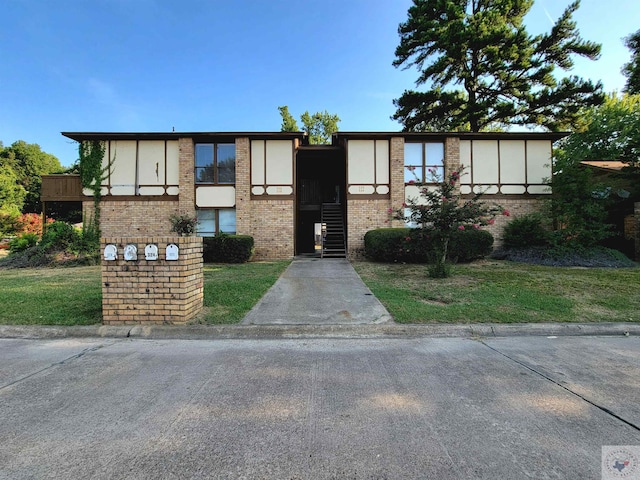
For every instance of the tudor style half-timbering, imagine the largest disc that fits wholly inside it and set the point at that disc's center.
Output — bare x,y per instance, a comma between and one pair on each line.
282,191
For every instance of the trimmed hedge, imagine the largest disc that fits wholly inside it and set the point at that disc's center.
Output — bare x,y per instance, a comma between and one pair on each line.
525,231
409,245
227,248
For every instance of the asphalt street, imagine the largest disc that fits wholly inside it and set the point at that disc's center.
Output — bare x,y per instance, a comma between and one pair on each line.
412,408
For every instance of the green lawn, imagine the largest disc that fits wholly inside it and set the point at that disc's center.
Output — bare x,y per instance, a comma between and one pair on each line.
230,291
505,292
490,291
73,296
50,296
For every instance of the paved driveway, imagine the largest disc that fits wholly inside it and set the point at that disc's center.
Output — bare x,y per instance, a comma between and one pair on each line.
447,408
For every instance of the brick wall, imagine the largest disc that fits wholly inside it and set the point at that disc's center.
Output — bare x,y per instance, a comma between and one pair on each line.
397,181
152,292
133,217
187,197
271,225
269,222
451,156
365,215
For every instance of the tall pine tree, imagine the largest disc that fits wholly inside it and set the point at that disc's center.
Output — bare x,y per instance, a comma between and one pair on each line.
485,71
631,70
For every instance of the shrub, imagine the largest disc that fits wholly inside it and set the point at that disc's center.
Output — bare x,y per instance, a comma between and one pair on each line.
470,244
89,237
60,236
9,222
61,244
525,231
32,223
408,245
393,245
225,248
183,224
23,242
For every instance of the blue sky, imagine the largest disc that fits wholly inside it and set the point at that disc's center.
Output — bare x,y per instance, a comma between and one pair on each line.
214,65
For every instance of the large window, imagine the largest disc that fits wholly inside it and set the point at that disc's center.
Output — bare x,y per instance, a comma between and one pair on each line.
214,220
216,163
423,162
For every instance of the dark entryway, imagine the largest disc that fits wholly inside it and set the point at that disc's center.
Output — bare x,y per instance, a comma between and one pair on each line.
320,186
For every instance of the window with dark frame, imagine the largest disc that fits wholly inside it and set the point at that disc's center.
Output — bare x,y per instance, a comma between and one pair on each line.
215,163
423,162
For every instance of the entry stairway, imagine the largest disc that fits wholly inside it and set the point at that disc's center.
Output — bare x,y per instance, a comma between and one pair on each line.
334,243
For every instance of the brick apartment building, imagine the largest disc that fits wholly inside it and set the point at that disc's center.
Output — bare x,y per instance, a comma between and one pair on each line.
280,190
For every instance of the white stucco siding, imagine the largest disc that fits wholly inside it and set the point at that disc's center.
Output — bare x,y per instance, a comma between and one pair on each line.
465,161
173,165
538,161
279,162
122,177
362,189
279,190
257,162
486,168
151,169
216,196
361,162
382,162
512,162
141,167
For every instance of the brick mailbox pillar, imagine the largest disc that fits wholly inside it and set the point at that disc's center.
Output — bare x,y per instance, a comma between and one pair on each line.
151,280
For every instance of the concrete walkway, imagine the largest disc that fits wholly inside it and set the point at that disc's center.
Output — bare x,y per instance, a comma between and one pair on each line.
314,291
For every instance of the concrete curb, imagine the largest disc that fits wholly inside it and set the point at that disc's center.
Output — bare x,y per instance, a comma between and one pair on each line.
212,332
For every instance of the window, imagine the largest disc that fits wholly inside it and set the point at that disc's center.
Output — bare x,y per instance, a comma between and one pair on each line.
423,162
215,163
214,220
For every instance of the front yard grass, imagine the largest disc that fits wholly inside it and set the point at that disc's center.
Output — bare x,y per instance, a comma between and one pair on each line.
488,291
231,290
73,296
505,292
50,296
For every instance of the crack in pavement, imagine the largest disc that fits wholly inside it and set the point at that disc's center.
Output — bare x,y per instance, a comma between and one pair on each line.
61,362
548,378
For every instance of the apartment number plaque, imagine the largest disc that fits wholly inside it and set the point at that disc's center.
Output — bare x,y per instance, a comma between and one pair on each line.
151,252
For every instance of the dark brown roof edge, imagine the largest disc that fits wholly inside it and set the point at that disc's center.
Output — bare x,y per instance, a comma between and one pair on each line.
227,136
462,135
83,136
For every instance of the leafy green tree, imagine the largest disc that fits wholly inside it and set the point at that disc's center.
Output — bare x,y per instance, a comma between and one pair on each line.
319,127
483,68
289,123
11,192
611,131
29,163
631,70
581,202
579,206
